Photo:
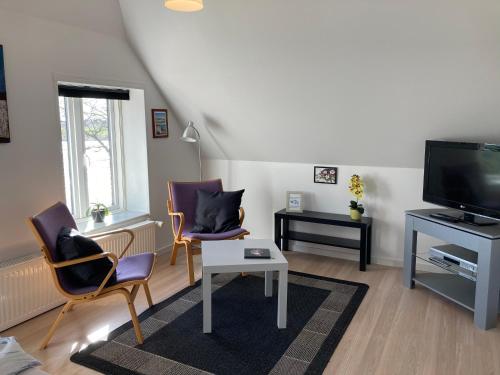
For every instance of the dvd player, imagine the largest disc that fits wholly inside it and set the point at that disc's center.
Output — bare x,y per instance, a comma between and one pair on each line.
456,256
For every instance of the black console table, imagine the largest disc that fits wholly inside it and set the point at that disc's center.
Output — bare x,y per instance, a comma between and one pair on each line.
282,234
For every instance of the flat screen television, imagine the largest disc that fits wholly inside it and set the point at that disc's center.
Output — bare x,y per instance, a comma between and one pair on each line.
464,176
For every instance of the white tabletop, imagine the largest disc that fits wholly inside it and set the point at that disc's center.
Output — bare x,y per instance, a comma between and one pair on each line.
226,256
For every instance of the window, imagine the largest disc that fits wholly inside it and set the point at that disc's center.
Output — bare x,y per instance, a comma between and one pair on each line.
91,148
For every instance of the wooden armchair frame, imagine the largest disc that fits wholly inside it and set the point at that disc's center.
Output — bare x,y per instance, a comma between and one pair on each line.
102,291
188,242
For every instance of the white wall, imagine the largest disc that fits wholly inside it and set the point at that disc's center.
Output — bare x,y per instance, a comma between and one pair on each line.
95,15
317,76
389,192
37,51
135,153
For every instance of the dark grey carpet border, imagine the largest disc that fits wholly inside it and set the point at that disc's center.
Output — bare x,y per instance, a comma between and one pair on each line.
317,366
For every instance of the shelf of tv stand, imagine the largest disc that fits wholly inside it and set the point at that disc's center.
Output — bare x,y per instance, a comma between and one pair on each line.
454,287
324,240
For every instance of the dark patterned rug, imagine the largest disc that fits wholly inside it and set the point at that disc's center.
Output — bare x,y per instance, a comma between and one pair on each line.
245,338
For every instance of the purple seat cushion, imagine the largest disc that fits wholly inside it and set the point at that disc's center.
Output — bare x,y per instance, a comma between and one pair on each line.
135,267
214,236
50,222
183,196
48,225
75,289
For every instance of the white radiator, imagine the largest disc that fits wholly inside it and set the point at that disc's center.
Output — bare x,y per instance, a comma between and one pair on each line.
26,285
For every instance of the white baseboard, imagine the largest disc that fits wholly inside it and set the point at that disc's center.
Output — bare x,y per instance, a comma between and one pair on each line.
164,249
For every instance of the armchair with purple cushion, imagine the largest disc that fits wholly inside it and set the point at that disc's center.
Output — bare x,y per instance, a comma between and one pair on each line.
131,271
182,208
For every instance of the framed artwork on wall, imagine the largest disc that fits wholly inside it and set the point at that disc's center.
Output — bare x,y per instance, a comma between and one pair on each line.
294,201
4,114
325,175
160,123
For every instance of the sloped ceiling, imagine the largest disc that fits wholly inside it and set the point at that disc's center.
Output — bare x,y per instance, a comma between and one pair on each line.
360,82
97,15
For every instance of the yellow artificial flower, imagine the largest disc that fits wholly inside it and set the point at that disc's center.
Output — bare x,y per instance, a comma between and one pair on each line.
356,186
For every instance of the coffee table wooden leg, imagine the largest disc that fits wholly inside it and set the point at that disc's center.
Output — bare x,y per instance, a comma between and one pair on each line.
282,298
207,302
269,284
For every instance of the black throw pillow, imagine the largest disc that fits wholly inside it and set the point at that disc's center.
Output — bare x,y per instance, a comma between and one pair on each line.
72,245
217,212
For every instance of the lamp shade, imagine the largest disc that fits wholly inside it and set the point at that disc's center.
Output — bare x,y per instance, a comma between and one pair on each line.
184,5
190,134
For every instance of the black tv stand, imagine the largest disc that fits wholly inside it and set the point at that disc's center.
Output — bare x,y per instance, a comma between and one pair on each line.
478,220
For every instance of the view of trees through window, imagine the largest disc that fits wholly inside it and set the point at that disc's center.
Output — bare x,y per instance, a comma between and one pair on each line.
89,152
98,155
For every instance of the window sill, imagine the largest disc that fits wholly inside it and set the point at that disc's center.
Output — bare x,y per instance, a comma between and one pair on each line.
114,221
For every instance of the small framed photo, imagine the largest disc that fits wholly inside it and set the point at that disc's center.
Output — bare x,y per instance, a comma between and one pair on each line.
325,175
294,201
160,123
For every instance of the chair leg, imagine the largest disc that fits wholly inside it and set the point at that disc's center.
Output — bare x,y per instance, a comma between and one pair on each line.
189,258
133,315
243,274
148,294
173,256
52,329
133,292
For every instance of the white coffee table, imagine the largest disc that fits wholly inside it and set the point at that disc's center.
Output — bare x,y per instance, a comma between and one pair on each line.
228,256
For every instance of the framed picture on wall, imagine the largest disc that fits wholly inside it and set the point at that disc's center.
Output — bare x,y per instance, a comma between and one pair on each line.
294,201
160,123
325,175
4,114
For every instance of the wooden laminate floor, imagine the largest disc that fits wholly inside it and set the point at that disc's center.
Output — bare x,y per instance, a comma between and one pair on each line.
395,331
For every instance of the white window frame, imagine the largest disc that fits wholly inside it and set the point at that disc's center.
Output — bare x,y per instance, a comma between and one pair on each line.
76,156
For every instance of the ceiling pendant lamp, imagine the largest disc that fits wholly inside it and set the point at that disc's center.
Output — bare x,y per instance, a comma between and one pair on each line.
184,5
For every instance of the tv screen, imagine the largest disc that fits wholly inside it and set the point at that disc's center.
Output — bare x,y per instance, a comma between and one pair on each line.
464,176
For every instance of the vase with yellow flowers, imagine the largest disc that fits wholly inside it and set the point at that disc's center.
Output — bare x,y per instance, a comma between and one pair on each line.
356,187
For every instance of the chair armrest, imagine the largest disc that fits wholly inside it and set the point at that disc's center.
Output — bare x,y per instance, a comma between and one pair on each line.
118,231
180,215
90,258
242,216
72,262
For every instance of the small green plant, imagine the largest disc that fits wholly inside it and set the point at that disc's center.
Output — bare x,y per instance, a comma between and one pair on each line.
98,211
357,206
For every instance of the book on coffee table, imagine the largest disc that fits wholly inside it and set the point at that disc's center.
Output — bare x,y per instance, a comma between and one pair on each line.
257,253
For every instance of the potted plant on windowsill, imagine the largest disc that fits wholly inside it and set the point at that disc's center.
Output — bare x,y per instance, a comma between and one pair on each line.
98,211
356,187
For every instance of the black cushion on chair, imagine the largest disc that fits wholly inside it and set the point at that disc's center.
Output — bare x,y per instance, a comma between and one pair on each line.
217,212
72,245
